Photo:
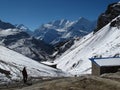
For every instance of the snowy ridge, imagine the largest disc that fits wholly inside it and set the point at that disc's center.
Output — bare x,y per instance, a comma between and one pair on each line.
14,62
9,32
24,28
105,43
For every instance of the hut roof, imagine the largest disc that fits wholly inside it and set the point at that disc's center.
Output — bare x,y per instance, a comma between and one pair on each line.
109,61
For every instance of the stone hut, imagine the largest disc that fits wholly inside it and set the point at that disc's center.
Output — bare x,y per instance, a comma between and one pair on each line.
105,65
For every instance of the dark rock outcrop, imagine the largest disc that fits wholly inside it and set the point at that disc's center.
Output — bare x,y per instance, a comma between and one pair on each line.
113,10
115,23
62,47
5,25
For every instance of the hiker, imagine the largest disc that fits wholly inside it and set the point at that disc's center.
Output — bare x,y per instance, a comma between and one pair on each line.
24,73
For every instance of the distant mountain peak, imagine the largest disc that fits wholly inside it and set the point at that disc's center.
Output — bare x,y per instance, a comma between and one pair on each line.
21,26
24,28
82,18
59,23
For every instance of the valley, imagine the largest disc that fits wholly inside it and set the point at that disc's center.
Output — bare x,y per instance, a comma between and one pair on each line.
57,54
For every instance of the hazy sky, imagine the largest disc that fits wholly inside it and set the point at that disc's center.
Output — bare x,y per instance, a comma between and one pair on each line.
33,13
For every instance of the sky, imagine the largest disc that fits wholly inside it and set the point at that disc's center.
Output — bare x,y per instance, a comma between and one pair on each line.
33,13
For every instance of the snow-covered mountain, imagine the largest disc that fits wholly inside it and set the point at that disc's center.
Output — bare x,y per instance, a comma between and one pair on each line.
100,43
60,30
23,43
105,43
24,28
12,63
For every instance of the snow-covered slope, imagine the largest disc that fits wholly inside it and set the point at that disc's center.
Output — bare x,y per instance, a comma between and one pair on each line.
60,30
23,43
105,43
14,62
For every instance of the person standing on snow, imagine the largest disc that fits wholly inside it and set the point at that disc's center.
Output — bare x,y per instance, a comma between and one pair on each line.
25,75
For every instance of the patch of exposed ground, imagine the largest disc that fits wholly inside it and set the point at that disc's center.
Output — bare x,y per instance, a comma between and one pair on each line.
87,82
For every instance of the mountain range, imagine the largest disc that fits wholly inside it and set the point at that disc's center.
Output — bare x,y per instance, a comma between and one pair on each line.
62,30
